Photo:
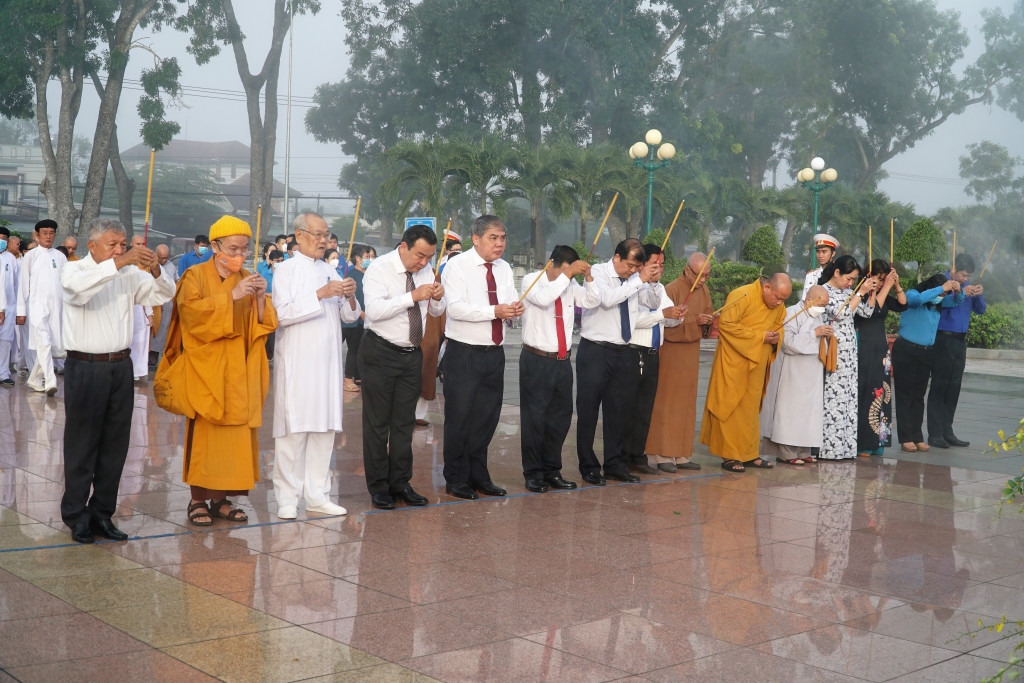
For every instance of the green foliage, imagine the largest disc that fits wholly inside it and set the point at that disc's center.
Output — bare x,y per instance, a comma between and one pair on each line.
1001,327
924,243
763,248
727,276
185,200
156,130
17,131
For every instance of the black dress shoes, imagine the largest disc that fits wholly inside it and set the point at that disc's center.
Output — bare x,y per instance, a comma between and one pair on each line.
952,440
622,476
536,485
489,489
643,469
593,478
82,534
559,483
937,442
410,497
382,501
106,528
461,491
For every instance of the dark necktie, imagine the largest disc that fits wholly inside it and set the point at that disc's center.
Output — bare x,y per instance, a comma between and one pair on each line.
656,336
560,329
492,298
624,316
415,319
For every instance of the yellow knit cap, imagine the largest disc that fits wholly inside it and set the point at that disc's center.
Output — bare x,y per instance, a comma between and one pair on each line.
227,226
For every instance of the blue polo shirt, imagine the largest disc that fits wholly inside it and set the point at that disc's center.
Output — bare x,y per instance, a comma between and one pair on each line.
192,258
957,318
918,324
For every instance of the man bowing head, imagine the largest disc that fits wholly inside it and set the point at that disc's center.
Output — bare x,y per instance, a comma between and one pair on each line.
312,301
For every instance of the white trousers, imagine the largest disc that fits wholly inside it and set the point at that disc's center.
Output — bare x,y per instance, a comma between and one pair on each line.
42,375
5,356
302,468
25,357
140,343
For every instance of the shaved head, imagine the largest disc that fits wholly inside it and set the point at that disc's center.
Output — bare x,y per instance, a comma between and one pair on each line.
138,241
696,261
817,296
776,289
163,253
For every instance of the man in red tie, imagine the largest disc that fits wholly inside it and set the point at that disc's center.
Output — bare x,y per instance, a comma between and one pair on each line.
481,295
545,370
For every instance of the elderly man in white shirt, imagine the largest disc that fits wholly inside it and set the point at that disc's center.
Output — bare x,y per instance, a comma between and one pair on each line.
99,292
545,365
481,294
312,301
644,345
604,366
398,290
39,304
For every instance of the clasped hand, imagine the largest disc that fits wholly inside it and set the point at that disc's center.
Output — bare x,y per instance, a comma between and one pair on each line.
253,284
508,311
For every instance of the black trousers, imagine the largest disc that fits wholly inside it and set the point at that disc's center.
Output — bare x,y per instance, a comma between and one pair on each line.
352,336
645,373
949,357
606,384
545,413
391,386
98,402
473,385
911,367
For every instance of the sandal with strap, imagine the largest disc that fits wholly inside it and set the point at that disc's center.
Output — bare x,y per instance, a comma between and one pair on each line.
197,510
733,466
794,461
232,515
759,463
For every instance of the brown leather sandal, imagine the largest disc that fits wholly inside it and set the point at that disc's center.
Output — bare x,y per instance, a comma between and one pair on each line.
197,510
233,514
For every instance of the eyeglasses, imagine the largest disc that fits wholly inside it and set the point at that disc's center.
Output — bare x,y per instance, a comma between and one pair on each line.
315,235
234,251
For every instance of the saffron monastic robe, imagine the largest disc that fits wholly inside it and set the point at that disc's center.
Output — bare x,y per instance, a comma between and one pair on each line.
226,376
730,426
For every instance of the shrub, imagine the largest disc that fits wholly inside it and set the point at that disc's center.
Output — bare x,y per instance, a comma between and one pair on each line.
1001,327
727,276
763,248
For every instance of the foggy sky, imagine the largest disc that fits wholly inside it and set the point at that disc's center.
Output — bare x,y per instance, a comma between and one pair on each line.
927,175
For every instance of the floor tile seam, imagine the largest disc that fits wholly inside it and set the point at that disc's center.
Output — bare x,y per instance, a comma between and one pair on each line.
516,585
903,675
306,623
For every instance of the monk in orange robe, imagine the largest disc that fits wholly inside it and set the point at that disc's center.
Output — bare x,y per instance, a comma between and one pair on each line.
225,316
747,344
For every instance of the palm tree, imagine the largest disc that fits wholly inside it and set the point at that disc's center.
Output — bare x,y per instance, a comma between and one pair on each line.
631,184
418,170
539,176
590,174
482,164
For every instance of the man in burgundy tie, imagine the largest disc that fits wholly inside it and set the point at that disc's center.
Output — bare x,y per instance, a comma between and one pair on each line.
545,370
481,294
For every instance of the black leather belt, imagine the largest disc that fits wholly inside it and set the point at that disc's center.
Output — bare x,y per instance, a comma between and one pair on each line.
618,348
475,347
100,357
950,333
640,347
546,354
916,346
393,347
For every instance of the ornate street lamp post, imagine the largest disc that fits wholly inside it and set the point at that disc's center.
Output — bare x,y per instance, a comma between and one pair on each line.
650,156
816,180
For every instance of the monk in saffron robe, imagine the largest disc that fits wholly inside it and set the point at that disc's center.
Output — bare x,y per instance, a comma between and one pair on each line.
747,343
225,317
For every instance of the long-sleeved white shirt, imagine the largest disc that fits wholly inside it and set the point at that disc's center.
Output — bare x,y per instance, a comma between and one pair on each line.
99,303
647,320
603,322
307,356
387,302
539,326
469,309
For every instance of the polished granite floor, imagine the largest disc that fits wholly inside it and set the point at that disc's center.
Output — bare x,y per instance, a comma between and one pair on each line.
838,572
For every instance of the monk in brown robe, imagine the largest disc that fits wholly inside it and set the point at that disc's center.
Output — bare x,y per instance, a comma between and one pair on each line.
674,418
748,341
225,317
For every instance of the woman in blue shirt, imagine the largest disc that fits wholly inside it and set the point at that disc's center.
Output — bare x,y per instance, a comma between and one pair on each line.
912,354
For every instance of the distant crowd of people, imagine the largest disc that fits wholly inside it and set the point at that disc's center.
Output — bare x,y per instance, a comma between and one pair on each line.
812,381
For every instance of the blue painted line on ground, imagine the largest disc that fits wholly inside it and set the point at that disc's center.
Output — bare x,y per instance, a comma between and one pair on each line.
192,532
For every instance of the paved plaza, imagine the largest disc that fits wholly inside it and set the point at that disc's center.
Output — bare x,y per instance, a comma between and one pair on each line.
868,570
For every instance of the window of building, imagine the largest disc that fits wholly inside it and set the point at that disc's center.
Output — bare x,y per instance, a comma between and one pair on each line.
5,197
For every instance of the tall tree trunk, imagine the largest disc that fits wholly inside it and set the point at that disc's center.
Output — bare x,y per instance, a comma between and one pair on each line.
56,184
537,242
387,226
128,20
583,225
125,183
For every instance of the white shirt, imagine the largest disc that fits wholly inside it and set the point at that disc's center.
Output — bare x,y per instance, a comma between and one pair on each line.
643,334
99,303
811,280
469,309
39,297
387,302
307,355
8,294
539,330
603,323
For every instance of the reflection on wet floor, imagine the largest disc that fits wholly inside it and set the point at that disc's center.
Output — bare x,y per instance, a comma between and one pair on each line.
867,570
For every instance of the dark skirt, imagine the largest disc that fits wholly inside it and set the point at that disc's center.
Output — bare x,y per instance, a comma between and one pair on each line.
874,384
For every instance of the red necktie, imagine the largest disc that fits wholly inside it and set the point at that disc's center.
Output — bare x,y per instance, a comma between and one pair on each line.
492,298
560,329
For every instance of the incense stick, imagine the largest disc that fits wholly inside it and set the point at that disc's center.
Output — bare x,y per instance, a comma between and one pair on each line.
352,240
149,193
719,311
601,229
697,279
990,252
845,303
444,244
784,322
539,276
669,234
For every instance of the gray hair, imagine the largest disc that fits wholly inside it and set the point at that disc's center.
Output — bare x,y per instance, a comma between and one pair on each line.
300,221
485,223
99,226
